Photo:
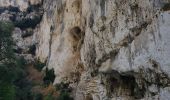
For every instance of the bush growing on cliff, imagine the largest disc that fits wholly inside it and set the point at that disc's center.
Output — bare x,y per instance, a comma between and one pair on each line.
12,74
7,91
28,22
39,65
7,74
166,7
64,90
64,96
6,42
49,97
49,76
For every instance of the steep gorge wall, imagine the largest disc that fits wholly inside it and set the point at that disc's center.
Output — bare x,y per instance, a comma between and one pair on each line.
105,49
22,4
26,16
108,49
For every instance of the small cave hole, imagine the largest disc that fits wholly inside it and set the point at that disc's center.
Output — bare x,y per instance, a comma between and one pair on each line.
32,50
49,76
76,32
18,50
134,6
51,28
28,33
128,86
66,10
89,97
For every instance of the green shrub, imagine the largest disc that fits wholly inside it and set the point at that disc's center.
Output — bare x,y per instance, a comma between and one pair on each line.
39,65
166,7
13,82
7,57
7,91
28,22
6,27
63,87
6,43
49,97
64,90
38,96
49,76
64,96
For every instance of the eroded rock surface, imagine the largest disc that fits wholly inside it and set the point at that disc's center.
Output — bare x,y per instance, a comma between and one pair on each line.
120,52
106,49
26,16
21,4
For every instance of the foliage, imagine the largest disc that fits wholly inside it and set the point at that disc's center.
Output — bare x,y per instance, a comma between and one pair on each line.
6,52
49,97
7,91
64,90
13,83
38,96
39,65
28,22
49,76
6,42
166,7
13,75
64,96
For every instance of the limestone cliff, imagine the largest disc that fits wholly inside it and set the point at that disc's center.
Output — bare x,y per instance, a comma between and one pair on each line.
21,4
106,49
26,16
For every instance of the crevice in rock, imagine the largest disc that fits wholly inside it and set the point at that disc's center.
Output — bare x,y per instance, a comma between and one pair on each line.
134,6
10,9
134,84
18,50
24,19
91,20
89,97
51,28
50,46
32,50
102,5
76,33
28,22
78,37
107,56
123,85
124,42
27,33
136,31
33,8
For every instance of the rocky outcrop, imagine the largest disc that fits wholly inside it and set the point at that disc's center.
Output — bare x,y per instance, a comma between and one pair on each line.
26,16
104,49
21,4
108,49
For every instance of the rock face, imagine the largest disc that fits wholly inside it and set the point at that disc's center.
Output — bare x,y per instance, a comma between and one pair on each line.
22,4
26,16
108,49
105,49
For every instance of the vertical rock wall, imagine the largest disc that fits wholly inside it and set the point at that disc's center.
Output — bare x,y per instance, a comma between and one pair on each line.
105,49
26,16
22,4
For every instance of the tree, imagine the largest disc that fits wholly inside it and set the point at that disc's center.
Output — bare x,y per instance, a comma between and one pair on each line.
6,52
11,67
7,74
